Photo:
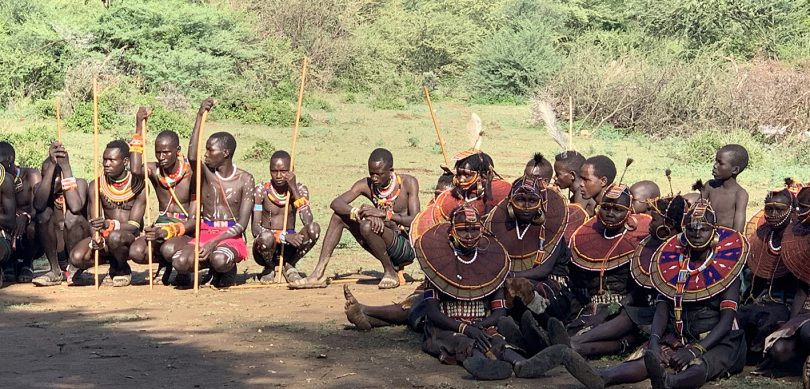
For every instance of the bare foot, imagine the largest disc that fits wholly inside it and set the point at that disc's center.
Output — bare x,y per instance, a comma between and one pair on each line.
308,283
389,281
347,293
356,316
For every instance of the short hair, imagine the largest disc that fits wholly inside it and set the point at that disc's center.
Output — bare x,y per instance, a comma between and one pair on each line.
546,170
170,135
280,154
784,194
646,186
6,149
120,145
739,155
382,155
228,141
602,167
479,162
571,159
445,180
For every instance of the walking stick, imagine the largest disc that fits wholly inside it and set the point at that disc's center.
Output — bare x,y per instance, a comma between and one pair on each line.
280,268
198,202
436,126
97,207
58,121
570,123
146,220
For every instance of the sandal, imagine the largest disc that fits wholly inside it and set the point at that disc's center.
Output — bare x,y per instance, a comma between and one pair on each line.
122,280
50,278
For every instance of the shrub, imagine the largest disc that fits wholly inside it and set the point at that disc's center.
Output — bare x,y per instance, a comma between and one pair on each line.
260,151
31,145
163,119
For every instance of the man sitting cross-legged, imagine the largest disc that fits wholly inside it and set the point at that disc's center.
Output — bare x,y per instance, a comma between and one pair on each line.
382,229
60,201
270,235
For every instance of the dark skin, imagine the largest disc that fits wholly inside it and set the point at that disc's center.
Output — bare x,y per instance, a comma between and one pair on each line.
24,231
695,375
524,216
728,198
8,209
64,227
566,178
237,204
271,217
643,191
786,350
591,186
372,232
167,161
116,245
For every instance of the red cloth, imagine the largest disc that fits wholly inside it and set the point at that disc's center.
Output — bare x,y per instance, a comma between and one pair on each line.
238,245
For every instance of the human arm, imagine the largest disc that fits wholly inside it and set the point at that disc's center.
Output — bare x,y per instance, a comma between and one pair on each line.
43,192
442,321
497,310
74,198
242,217
136,146
740,204
342,204
194,142
258,207
9,204
540,273
659,324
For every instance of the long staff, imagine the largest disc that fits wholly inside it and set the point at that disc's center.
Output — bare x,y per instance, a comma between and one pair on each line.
146,219
58,120
436,126
97,207
280,268
198,202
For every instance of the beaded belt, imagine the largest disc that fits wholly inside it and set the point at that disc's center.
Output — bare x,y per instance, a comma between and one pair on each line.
562,280
607,298
219,223
466,311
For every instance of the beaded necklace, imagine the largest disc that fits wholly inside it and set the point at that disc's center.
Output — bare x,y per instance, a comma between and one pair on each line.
120,191
384,197
684,274
279,199
172,179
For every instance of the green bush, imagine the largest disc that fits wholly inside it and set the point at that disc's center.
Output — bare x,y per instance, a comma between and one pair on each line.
260,151
163,119
82,118
31,145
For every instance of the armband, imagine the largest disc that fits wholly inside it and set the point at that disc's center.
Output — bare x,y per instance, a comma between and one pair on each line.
497,304
112,225
461,328
258,207
728,304
299,203
69,183
132,223
700,347
170,233
136,144
179,229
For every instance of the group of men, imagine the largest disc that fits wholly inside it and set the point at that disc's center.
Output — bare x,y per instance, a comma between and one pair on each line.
519,278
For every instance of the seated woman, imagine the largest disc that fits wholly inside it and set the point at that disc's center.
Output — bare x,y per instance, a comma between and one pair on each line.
626,331
766,303
787,345
694,336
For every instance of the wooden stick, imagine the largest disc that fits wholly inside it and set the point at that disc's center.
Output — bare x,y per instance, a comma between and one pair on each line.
570,123
339,281
280,267
146,219
96,209
436,126
198,203
58,120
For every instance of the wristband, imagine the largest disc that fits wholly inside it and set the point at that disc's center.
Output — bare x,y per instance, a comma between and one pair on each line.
169,232
461,328
69,183
389,215
130,222
354,214
282,238
700,347
302,202
258,207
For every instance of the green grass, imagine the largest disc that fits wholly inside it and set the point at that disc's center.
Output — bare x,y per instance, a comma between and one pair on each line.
333,151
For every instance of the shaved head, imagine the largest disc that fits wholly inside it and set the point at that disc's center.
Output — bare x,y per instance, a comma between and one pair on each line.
643,191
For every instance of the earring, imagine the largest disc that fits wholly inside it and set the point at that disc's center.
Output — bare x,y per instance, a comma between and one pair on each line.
510,211
540,218
715,240
663,231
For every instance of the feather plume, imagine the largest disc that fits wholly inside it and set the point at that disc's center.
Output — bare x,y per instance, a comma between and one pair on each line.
475,130
698,185
626,165
668,173
789,182
538,159
550,120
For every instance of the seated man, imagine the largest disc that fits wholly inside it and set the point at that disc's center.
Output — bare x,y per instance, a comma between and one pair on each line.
643,191
172,178
270,235
767,301
381,229
116,222
567,167
539,168
23,242
8,218
227,204
601,251
60,201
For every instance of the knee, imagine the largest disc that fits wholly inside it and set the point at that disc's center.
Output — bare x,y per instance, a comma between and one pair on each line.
76,257
182,261
137,251
221,260
782,350
118,239
314,231
365,228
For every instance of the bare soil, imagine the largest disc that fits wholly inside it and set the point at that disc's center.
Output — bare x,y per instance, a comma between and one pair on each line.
79,337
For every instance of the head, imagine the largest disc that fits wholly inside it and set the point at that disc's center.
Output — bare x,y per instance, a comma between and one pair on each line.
116,159
445,183
279,165
667,214
803,206
778,208
466,228
614,209
643,191
596,174
527,201
167,149
729,161
380,167
219,149
7,156
567,166
699,226
472,170
538,168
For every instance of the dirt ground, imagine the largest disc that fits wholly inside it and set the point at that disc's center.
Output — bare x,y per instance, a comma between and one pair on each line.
77,337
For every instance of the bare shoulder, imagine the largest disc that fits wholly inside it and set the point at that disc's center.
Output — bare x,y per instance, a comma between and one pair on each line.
409,181
245,176
32,174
